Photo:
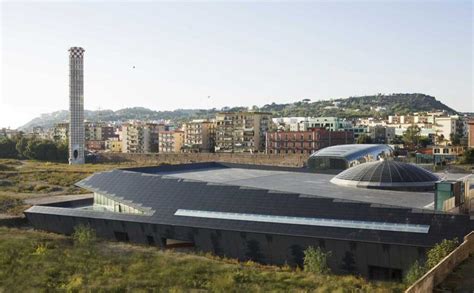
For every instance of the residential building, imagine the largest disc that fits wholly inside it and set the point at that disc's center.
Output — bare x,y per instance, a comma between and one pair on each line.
95,145
470,140
113,145
241,131
199,136
305,142
98,131
329,123
140,137
61,132
171,141
445,127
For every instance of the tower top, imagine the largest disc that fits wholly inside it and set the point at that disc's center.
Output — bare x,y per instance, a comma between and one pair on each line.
76,52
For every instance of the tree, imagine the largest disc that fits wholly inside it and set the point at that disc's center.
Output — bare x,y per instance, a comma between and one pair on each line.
425,141
8,148
364,138
468,156
316,260
21,145
455,138
411,137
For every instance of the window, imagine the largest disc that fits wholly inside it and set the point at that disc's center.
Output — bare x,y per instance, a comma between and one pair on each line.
336,223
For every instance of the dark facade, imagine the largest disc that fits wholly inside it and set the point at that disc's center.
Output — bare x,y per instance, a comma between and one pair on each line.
146,206
305,142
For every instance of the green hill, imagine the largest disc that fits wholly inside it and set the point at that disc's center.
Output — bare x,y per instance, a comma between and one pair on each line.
352,107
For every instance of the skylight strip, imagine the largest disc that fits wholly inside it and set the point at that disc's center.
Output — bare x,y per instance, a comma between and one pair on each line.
337,223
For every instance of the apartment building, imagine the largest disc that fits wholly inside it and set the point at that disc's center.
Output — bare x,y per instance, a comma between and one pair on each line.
445,127
470,134
98,131
241,131
305,142
199,136
139,137
61,132
329,123
171,141
114,145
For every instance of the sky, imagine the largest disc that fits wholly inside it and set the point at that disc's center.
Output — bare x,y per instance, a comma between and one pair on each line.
170,55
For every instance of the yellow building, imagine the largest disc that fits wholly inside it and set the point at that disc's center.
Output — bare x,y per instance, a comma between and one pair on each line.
113,145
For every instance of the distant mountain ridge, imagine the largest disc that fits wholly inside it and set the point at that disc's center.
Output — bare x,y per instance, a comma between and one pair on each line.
363,106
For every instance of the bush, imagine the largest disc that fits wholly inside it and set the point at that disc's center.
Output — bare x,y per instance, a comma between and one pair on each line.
415,272
440,251
315,260
83,235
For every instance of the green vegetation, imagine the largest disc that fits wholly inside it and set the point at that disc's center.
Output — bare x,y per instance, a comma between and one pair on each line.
34,149
468,156
433,257
373,105
11,205
411,137
37,261
364,138
23,179
316,260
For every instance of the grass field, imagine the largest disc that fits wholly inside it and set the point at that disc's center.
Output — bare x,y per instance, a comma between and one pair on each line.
39,261
31,177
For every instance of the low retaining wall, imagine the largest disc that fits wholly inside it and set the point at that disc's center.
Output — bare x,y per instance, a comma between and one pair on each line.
439,272
286,160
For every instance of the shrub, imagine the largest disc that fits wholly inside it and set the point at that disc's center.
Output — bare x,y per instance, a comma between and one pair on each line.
315,260
5,182
415,272
83,235
440,251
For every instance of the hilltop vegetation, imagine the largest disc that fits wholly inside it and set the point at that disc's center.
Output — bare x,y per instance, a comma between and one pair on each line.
364,106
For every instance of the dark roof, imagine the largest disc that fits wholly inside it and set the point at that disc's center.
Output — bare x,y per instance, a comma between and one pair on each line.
387,174
161,197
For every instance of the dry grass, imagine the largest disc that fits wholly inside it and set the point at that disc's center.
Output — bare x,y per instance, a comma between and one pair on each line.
37,261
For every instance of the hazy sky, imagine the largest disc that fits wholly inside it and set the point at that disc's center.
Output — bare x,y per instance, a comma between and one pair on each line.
240,53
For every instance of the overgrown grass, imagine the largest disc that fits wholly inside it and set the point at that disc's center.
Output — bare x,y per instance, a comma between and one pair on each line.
33,177
37,261
11,205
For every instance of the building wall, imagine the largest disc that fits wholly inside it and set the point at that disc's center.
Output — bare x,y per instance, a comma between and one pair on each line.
287,160
346,256
238,132
470,140
199,136
305,142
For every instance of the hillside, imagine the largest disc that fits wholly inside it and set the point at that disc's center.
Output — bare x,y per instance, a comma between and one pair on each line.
363,106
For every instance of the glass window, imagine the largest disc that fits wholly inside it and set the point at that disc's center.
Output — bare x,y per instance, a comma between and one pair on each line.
336,223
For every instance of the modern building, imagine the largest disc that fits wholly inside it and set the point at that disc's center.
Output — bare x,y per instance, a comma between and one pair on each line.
328,123
171,141
387,174
199,136
76,106
305,142
265,214
341,157
61,132
98,131
241,131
